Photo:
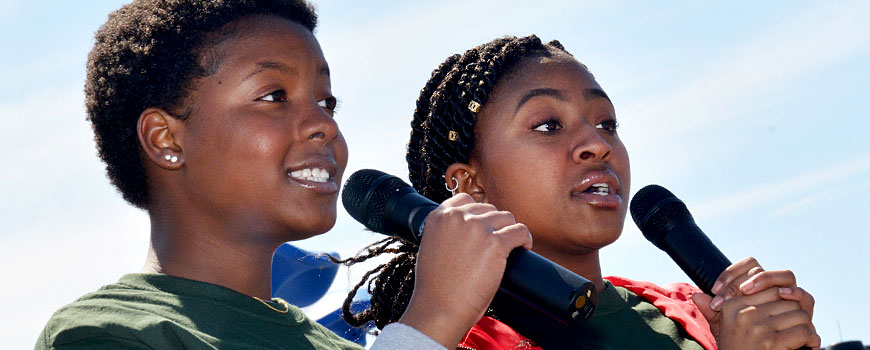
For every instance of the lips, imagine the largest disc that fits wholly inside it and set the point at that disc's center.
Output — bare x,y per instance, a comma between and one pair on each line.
599,188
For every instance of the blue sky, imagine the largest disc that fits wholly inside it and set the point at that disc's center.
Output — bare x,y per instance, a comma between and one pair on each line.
754,113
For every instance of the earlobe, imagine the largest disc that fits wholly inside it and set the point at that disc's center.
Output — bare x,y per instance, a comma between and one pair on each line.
462,177
159,133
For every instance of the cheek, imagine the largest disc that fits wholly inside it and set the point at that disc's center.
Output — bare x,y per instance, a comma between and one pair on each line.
519,177
622,166
244,153
341,152
260,143
257,137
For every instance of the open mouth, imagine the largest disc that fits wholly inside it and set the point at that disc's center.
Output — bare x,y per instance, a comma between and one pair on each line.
601,189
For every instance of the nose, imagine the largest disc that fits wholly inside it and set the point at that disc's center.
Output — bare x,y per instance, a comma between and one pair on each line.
319,125
591,146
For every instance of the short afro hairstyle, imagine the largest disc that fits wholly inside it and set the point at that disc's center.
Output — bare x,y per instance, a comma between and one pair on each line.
148,54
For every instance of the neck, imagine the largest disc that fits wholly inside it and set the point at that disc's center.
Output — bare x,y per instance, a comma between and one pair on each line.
586,264
208,255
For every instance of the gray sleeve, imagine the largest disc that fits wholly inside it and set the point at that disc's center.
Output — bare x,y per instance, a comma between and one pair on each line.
397,336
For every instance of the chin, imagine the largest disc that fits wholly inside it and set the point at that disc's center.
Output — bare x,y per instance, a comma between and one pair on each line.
299,227
599,239
316,227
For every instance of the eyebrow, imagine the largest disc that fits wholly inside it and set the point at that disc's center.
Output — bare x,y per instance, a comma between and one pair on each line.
539,92
588,94
596,93
272,65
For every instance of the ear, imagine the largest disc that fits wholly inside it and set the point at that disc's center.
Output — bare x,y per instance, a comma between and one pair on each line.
159,135
464,178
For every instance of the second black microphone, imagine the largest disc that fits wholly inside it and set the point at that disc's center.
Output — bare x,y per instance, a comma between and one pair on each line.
386,204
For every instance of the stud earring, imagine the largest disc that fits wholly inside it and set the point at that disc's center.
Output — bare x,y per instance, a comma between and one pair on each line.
456,186
171,158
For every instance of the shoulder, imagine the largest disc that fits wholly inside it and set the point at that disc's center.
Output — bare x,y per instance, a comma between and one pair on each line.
127,317
102,317
321,337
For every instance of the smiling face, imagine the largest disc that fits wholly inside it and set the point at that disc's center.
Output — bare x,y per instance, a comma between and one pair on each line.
547,151
261,150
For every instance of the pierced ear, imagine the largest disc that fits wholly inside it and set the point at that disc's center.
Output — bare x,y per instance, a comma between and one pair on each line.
463,177
158,134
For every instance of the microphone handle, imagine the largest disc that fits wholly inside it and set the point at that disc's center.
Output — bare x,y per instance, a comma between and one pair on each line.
553,287
408,212
528,275
693,251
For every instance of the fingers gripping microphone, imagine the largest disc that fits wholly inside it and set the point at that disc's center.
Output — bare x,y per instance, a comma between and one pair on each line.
387,205
666,222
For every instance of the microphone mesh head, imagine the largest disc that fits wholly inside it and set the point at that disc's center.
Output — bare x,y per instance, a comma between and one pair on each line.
651,209
378,187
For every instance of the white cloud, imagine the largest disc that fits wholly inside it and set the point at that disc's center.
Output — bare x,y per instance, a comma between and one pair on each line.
776,192
823,194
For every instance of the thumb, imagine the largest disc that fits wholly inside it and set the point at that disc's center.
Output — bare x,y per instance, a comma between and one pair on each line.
702,301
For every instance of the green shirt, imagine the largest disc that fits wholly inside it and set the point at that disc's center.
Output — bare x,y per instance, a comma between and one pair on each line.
622,320
153,311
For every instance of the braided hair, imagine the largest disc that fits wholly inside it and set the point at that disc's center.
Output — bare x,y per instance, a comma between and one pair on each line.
442,133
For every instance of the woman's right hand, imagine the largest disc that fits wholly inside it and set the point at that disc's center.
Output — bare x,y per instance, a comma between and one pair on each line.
771,311
460,265
764,320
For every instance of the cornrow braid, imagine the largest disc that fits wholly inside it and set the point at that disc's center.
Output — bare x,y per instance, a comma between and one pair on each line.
442,109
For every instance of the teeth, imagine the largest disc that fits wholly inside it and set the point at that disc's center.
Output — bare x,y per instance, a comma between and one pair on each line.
601,189
311,174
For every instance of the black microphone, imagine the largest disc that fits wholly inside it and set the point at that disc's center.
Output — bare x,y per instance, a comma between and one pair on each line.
666,222
386,204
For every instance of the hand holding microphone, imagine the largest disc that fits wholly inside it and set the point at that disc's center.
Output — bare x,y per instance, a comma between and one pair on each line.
751,306
460,265
470,250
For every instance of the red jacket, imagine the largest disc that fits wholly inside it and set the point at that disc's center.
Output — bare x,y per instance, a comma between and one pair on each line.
674,300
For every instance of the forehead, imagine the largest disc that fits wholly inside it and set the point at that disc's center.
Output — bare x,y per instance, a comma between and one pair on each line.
262,38
559,71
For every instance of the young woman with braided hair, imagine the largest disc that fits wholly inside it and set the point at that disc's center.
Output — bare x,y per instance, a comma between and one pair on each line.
216,118
524,126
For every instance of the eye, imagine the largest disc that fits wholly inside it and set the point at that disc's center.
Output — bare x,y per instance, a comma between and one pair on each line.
548,127
275,96
330,104
609,126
